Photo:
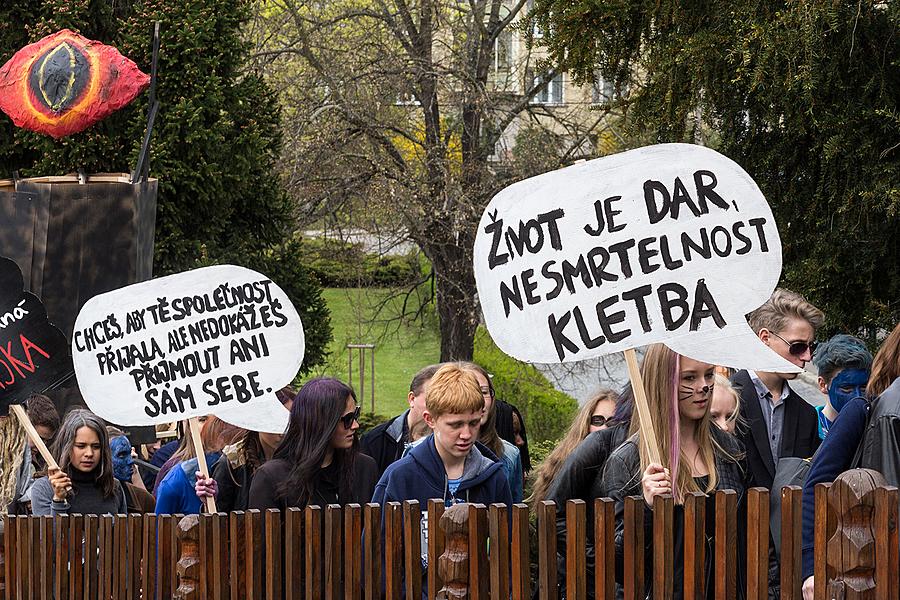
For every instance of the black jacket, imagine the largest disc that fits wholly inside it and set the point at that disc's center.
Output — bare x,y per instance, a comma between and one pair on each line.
386,442
799,436
622,478
580,478
328,490
880,447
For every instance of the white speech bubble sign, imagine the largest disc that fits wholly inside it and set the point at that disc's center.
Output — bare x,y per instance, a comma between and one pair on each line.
216,340
671,243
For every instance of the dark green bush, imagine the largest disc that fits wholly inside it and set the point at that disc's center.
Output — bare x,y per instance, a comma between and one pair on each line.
346,265
548,412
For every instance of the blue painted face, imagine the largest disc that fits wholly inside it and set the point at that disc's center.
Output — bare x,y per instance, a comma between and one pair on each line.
123,463
847,385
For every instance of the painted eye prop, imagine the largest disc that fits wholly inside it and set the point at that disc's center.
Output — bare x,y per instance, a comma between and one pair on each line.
64,83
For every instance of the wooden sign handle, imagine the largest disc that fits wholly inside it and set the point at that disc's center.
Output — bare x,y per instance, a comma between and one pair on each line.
642,409
33,435
201,460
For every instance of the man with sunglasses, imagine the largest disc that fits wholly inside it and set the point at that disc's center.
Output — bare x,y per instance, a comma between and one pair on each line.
779,422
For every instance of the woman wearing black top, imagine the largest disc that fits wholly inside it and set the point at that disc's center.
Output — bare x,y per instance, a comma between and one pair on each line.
318,462
696,455
84,483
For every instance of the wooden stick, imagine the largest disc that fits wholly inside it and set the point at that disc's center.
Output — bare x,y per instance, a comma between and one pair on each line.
33,435
201,460
648,434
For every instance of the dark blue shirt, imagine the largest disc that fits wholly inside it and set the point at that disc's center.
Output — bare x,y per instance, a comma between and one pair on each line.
835,456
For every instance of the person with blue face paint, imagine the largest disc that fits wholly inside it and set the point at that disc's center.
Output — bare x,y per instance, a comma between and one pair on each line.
123,461
844,364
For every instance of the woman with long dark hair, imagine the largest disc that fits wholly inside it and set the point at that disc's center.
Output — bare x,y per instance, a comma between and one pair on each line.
235,470
318,462
84,483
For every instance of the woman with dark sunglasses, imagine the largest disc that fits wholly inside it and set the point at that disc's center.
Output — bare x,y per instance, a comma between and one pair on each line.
318,462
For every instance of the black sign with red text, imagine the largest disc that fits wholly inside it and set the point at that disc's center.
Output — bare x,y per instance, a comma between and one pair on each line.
34,354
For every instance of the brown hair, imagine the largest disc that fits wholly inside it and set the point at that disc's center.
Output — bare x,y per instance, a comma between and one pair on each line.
886,366
453,390
580,428
42,412
780,308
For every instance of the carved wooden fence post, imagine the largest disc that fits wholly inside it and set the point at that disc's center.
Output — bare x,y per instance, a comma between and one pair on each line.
453,564
858,553
189,558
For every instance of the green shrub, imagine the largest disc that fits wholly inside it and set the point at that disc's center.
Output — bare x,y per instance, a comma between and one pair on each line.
368,420
340,264
548,413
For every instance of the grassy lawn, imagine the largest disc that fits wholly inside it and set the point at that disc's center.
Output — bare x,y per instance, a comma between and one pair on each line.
369,316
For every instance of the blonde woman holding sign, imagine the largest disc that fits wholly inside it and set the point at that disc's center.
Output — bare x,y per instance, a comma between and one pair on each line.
696,455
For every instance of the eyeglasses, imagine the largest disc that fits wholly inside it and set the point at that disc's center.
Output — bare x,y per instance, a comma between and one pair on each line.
598,420
347,420
487,391
797,348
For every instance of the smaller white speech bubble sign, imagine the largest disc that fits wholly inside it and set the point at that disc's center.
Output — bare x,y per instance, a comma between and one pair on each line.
216,340
670,243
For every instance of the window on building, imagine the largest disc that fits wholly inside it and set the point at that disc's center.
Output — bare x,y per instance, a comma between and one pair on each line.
503,52
602,90
552,92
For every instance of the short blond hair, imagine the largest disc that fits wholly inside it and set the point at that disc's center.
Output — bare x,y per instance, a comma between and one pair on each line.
724,383
780,308
453,390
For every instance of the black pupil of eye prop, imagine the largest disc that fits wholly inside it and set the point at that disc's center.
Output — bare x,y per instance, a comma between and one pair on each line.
59,77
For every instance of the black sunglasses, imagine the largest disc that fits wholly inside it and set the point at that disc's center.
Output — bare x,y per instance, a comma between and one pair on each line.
598,420
487,391
797,348
347,420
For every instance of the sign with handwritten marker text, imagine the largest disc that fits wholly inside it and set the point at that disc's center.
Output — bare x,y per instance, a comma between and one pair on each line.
217,340
34,354
670,243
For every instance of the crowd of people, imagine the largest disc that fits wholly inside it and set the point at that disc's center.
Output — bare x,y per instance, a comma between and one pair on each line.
715,430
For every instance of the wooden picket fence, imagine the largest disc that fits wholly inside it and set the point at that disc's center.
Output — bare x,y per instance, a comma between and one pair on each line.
326,553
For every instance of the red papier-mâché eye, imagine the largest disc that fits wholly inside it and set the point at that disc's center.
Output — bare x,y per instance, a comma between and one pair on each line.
65,83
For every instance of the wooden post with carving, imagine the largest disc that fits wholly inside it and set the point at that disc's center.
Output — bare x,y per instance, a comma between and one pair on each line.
188,558
453,564
858,552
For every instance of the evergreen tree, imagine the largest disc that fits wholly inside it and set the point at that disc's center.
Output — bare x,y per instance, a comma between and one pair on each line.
802,95
215,142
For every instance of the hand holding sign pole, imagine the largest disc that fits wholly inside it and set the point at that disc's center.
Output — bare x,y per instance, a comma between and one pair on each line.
671,243
218,340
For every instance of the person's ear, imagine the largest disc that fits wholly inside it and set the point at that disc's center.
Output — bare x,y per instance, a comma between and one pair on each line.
764,335
410,399
431,421
823,386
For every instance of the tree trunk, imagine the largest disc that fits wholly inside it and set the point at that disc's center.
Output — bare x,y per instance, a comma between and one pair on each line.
456,297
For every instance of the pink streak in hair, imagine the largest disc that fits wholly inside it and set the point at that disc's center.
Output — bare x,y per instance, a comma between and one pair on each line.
675,431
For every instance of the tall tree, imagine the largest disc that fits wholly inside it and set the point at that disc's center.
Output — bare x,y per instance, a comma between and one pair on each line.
216,140
802,94
407,109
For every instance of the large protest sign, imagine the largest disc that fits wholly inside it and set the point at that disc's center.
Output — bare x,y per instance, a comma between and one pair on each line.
34,355
217,340
671,243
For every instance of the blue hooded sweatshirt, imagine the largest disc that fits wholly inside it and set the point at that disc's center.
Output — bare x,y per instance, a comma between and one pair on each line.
420,475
